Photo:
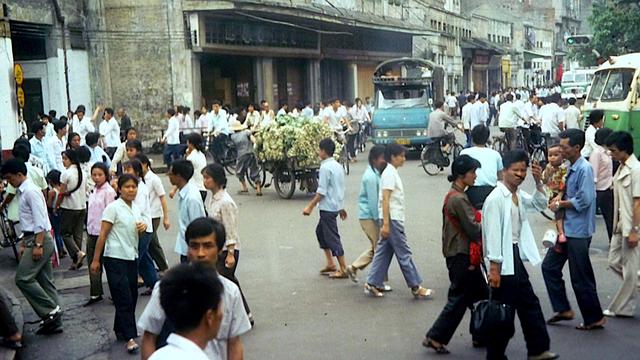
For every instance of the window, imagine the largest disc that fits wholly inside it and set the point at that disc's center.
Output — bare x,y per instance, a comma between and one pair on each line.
618,85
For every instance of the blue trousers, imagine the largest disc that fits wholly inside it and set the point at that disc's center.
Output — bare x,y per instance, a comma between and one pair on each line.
146,269
396,244
171,152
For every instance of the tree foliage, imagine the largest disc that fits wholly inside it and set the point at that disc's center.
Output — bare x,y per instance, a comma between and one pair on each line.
616,31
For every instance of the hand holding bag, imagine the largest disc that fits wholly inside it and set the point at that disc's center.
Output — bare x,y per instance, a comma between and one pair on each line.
491,317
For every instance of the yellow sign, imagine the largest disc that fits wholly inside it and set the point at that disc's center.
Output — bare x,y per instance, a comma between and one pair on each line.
19,74
20,96
403,141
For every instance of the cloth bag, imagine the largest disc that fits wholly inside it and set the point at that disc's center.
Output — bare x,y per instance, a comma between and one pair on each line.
490,317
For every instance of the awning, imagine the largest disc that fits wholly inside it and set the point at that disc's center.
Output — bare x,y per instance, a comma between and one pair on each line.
479,44
530,55
315,12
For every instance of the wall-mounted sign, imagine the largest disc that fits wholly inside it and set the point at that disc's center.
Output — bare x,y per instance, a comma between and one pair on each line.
18,73
20,96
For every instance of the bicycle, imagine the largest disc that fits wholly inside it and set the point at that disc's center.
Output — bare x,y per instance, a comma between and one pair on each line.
229,154
9,235
434,159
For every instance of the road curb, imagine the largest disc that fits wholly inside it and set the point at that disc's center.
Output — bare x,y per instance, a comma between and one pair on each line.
16,312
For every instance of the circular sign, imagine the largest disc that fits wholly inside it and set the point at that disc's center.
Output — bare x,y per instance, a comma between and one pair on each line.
19,74
20,96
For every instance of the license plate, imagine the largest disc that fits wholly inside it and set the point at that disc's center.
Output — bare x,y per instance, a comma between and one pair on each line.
403,141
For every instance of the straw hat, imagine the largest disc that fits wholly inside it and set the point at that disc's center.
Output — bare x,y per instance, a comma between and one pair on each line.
236,125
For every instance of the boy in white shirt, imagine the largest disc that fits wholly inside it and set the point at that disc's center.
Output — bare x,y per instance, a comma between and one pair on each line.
191,295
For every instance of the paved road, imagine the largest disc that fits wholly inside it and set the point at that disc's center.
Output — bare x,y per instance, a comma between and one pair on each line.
301,315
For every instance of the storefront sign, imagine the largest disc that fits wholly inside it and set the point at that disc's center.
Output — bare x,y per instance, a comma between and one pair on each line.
481,59
18,73
20,96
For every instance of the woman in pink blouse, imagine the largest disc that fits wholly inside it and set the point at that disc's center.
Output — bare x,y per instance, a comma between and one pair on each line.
221,207
603,176
101,196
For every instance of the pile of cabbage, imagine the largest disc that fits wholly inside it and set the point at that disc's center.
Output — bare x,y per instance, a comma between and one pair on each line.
295,138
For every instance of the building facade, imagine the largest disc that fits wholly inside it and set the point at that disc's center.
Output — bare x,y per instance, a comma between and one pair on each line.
149,55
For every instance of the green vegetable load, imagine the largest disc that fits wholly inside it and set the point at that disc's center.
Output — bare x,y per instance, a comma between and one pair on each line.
294,138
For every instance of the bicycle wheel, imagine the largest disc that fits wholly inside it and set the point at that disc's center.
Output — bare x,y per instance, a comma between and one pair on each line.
538,156
263,176
457,148
500,145
285,181
229,162
430,168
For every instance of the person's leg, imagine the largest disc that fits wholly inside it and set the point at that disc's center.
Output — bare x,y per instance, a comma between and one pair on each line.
529,311
116,271
624,302
323,244
155,250
29,281
498,341
380,263
583,279
68,222
398,241
615,254
329,221
370,228
8,327
351,146
230,273
78,227
145,263
457,300
95,279
605,203
130,310
552,273
166,155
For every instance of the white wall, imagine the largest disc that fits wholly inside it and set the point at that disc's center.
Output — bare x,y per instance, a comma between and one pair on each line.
8,105
79,81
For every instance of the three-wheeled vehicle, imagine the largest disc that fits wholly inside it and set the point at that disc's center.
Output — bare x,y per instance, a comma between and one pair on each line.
405,91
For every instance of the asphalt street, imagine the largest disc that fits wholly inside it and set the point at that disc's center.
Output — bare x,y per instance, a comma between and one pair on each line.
302,315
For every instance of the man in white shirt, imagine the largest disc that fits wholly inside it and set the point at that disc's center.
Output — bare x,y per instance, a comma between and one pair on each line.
84,125
171,138
481,109
508,243
191,295
284,109
508,119
205,239
519,104
596,121
572,115
307,111
491,170
38,147
55,146
452,104
335,115
469,120
218,129
552,117
110,131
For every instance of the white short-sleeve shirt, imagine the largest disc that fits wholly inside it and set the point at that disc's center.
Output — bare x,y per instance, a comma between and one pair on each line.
179,347
78,199
390,180
199,162
235,321
156,191
122,241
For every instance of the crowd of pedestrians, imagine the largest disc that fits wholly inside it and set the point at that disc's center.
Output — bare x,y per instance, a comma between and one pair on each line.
68,177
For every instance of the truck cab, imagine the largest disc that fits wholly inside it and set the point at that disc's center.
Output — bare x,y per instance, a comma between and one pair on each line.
616,90
403,101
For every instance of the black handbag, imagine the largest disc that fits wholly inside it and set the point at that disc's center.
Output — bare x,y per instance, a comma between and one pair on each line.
491,317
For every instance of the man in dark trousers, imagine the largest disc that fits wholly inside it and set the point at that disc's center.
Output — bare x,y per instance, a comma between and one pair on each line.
579,203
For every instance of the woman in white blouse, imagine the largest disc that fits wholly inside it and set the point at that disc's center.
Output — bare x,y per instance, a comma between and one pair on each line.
122,222
145,264
221,207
